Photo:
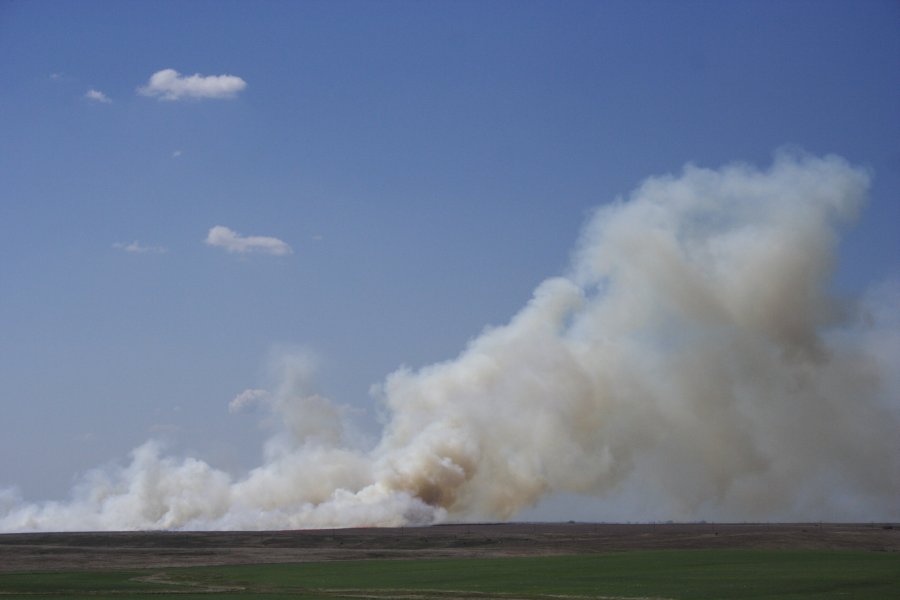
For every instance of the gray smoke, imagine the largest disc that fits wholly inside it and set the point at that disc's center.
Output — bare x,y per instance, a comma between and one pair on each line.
692,361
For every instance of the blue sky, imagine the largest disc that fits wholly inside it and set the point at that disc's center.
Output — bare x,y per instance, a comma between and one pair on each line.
427,163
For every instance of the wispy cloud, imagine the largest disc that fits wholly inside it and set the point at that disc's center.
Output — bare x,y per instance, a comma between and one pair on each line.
97,96
177,153
247,398
223,237
169,84
136,247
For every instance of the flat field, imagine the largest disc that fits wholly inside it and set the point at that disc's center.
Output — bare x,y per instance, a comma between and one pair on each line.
535,561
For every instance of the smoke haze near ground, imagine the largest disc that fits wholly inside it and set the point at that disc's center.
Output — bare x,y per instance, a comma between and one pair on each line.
693,360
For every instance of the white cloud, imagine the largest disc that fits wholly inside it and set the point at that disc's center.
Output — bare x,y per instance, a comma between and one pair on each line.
136,247
176,153
247,398
232,241
169,84
97,96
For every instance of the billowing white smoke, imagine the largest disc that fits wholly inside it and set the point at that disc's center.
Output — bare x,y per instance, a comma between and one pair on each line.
692,359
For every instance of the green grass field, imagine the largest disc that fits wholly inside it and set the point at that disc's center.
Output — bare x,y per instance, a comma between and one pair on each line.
701,574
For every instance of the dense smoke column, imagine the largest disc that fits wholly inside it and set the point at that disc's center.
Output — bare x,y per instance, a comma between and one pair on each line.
691,364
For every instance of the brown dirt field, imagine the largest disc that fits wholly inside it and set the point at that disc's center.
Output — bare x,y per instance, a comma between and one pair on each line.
128,550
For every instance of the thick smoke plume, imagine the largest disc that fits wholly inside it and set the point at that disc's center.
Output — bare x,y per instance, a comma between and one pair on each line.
692,363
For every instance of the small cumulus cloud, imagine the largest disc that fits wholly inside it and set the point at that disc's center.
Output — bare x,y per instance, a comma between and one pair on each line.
177,153
169,84
223,237
97,96
136,247
246,399
56,76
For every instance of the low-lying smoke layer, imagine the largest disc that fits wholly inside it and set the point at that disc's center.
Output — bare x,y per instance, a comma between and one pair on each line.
692,363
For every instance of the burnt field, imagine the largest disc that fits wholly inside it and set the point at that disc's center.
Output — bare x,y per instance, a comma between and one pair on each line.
20,552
